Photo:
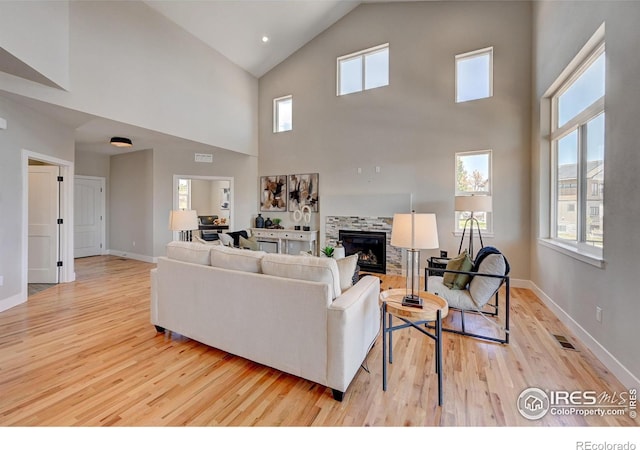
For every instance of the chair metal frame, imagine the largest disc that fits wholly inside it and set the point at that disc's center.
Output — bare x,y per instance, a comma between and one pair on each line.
492,304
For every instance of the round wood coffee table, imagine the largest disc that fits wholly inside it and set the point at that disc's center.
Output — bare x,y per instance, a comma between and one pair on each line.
434,309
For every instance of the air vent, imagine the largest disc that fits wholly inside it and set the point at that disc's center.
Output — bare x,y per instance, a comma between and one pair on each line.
564,342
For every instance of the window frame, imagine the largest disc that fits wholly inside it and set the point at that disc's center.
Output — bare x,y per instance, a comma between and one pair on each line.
362,55
469,55
579,123
488,231
276,113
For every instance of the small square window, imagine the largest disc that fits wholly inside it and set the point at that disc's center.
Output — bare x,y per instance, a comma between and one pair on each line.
474,75
283,114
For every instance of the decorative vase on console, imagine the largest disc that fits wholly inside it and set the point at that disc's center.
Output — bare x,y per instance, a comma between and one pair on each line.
259,221
268,223
338,251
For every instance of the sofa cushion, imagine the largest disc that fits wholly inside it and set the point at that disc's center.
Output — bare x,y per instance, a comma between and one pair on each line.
310,268
250,243
236,259
346,269
483,288
193,252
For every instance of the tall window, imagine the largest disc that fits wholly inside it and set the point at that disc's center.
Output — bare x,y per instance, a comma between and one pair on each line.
184,194
283,114
366,69
474,75
473,177
577,145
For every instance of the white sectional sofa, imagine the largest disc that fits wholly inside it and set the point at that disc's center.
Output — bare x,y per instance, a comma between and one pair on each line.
286,312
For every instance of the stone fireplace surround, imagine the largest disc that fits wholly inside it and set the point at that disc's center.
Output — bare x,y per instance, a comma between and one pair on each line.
333,224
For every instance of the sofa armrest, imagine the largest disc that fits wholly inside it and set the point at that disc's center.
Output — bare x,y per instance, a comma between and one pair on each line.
353,326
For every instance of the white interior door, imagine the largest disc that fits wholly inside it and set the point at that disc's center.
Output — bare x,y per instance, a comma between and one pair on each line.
43,224
89,199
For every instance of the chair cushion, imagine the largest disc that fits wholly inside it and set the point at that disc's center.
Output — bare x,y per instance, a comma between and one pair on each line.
236,259
456,298
346,269
461,262
236,236
192,252
310,268
225,239
483,288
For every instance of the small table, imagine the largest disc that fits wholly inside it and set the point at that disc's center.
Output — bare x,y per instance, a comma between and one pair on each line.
434,309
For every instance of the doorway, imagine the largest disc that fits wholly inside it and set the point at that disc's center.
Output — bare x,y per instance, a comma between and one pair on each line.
63,266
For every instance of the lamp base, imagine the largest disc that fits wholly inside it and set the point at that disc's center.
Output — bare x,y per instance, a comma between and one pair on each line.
413,301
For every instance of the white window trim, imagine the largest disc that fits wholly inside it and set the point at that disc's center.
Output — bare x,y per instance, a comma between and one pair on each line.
276,115
358,54
592,50
462,56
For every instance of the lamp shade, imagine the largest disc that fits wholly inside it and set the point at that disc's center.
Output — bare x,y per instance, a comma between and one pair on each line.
183,220
473,203
414,231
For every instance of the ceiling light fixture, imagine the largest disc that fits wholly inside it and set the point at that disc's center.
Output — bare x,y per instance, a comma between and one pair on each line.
265,39
121,142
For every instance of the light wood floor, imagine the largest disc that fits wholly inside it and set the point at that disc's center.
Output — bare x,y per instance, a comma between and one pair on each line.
85,353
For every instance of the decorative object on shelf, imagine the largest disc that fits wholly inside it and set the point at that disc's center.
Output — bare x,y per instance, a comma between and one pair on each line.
259,221
306,213
297,218
273,193
268,223
276,224
184,221
303,191
471,204
414,232
328,251
338,252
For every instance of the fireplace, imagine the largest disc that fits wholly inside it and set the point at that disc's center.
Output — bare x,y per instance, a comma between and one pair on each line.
370,246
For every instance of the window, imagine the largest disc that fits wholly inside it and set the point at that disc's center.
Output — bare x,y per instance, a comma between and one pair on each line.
473,177
283,114
367,69
474,75
577,146
184,193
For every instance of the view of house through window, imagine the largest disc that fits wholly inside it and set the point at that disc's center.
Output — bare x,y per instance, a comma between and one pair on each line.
578,143
283,114
474,75
184,194
473,177
367,69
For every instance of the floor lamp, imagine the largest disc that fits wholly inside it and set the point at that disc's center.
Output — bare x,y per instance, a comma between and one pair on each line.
414,232
472,203
183,220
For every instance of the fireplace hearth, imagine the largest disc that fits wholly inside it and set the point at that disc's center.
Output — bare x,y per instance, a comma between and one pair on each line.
370,246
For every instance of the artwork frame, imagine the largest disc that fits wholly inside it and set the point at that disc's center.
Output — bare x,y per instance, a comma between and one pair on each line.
273,193
303,190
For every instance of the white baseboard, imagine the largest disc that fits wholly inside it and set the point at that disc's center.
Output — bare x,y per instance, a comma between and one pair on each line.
628,379
524,284
144,258
12,301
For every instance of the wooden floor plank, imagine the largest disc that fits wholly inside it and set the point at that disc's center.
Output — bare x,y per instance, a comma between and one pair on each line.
85,354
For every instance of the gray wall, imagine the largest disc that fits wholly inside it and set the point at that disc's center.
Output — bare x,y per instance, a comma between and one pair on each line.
131,203
561,30
412,128
26,130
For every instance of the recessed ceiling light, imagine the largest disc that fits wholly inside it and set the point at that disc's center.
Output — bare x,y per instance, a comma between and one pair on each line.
265,39
121,141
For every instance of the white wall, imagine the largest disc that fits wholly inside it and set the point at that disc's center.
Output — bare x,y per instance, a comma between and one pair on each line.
36,33
574,288
26,130
412,128
130,64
